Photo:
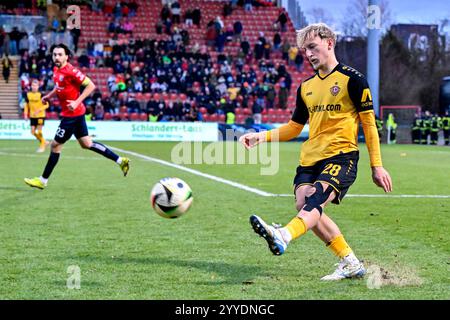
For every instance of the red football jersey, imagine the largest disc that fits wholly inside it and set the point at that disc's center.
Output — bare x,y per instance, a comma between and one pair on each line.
68,81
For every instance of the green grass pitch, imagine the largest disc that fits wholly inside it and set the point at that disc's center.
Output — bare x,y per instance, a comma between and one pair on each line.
92,217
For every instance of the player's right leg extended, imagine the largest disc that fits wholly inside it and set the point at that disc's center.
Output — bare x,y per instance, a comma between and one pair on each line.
87,143
271,234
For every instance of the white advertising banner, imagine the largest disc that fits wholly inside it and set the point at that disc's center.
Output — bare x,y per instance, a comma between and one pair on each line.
119,131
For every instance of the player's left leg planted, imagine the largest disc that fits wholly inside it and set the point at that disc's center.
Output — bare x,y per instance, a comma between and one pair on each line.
41,182
100,148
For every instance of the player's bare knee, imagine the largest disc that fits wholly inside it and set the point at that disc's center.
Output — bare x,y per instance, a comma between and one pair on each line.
85,145
301,198
55,146
318,198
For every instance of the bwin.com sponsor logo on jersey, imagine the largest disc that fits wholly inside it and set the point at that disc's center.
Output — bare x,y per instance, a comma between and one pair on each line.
322,108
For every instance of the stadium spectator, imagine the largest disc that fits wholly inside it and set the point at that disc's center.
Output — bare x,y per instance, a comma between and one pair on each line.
7,65
83,60
24,44
248,5
14,38
283,94
237,30
175,10
285,47
257,109
282,20
2,40
188,18
276,41
165,13
197,16
99,111
299,61
128,27
227,9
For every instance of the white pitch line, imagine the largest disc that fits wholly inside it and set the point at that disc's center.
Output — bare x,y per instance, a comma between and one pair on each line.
198,173
383,196
22,155
257,191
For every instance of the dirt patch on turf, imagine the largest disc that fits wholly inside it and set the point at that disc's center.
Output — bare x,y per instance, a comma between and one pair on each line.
379,275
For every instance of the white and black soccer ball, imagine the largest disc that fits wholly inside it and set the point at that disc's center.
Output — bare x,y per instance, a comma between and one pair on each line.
171,197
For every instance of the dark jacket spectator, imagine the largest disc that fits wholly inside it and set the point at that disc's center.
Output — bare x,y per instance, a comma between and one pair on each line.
282,19
197,16
245,46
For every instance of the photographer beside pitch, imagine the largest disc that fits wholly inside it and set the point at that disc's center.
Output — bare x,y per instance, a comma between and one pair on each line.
68,81
335,100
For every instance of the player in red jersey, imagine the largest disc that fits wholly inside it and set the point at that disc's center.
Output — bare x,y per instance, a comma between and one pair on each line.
68,81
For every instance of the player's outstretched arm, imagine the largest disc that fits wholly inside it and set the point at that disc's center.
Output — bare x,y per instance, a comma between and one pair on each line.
284,133
249,140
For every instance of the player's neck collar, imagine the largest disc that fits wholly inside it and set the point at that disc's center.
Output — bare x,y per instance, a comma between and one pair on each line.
326,75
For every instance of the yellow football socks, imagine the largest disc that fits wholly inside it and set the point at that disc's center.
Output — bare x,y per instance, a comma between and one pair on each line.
40,137
296,227
339,246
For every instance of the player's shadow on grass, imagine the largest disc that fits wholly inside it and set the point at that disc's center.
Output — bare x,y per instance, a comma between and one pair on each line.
224,273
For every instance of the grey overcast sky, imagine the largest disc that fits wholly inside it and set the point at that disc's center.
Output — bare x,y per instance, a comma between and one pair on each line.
402,11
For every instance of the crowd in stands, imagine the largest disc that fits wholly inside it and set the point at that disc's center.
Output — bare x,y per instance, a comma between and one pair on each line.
173,80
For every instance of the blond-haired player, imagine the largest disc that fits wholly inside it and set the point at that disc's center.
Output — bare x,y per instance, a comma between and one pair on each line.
335,101
35,111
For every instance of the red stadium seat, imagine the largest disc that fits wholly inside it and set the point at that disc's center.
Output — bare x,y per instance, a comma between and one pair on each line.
265,119
272,118
107,116
221,118
206,117
52,115
123,116
247,111
134,116
143,117
214,117
202,110
279,112
123,109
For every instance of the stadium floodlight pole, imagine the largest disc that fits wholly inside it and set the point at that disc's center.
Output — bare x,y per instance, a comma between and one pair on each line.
373,51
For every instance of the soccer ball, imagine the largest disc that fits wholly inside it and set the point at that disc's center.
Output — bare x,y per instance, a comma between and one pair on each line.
171,197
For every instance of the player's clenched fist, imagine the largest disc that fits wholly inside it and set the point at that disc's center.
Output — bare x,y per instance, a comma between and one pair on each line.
252,139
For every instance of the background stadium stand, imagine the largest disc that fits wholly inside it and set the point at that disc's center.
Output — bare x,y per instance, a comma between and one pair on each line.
94,29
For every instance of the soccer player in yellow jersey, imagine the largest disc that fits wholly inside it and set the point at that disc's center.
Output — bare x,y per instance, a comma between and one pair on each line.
35,110
335,100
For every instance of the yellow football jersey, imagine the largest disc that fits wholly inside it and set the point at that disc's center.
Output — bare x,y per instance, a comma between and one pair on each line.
34,104
331,103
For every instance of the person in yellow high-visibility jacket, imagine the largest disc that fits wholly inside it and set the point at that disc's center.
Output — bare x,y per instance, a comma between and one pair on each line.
391,126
